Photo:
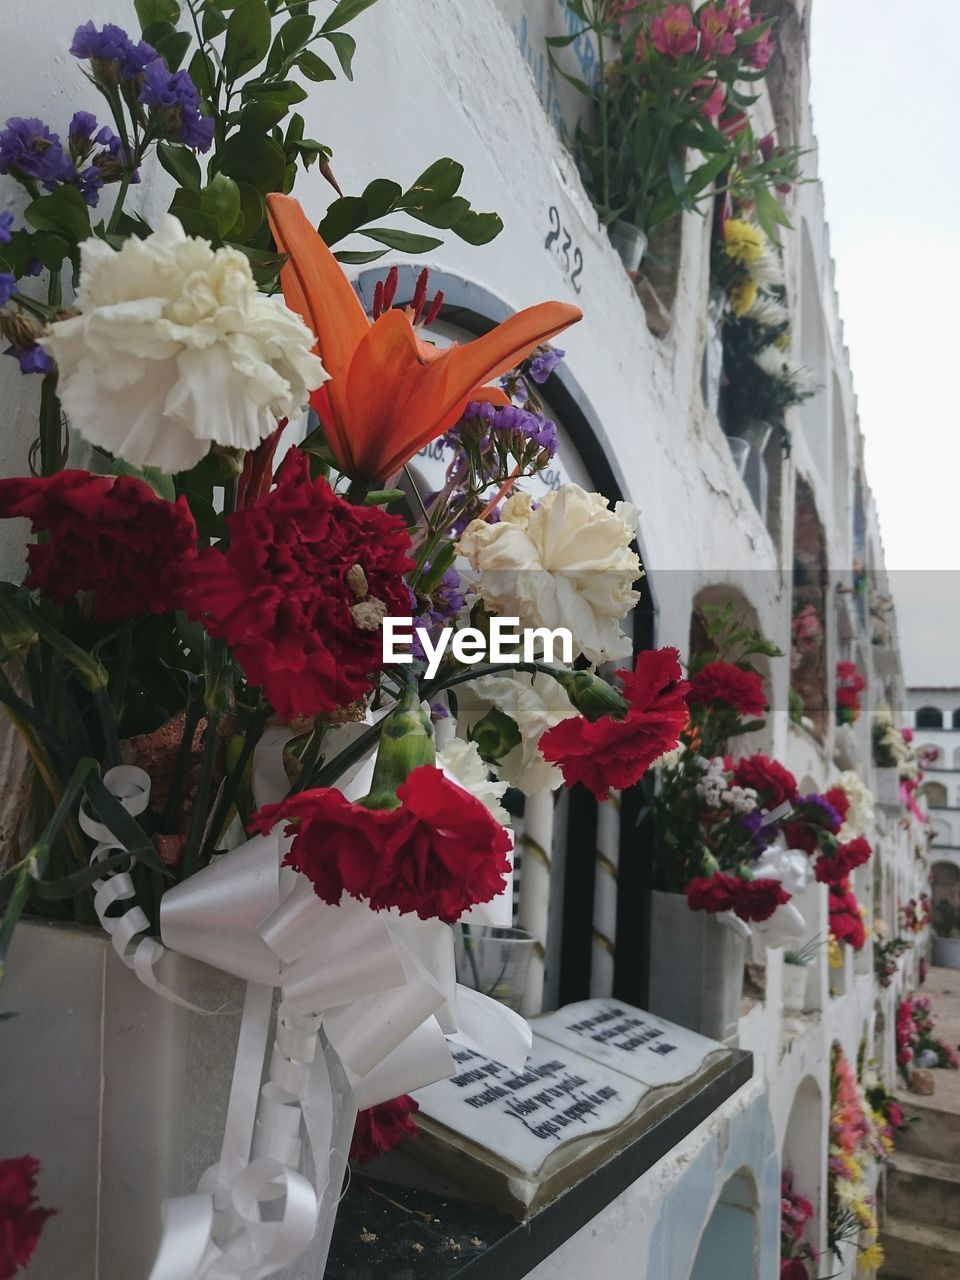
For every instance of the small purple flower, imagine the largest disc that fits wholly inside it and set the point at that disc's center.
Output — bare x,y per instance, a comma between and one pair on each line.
8,285
819,812
112,54
174,105
33,267
29,150
439,711
543,364
88,182
6,227
32,359
446,601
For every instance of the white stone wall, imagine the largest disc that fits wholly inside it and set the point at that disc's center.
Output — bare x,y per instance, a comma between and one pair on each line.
437,78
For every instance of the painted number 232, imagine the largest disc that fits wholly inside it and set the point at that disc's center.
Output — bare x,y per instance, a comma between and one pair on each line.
560,241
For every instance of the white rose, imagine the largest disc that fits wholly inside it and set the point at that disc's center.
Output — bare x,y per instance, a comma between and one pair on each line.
462,762
174,349
566,564
536,703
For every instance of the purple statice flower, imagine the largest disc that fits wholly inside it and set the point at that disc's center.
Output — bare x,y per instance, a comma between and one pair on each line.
174,105
88,182
819,812
445,602
8,285
32,359
439,711
83,135
6,227
543,363
111,53
114,159
29,150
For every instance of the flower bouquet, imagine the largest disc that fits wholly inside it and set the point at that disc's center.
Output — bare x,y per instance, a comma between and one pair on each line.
856,1149
850,685
796,1213
234,760
917,1045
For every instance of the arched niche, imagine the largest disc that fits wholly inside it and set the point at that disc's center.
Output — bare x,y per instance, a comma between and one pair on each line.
939,831
955,718
808,651
728,1245
936,795
803,1148
715,595
945,898
928,718
578,911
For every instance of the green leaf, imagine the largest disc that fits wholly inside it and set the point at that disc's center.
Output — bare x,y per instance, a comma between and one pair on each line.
345,12
437,183
380,196
344,46
314,67
50,249
203,73
149,11
273,91
63,211
260,117
158,31
221,199
248,39
561,42
289,40
159,481
197,223
343,216
447,214
214,23
478,228
351,257
252,158
402,241
752,34
181,163
173,48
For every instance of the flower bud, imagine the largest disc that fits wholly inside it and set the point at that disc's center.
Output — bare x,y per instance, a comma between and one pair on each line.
494,735
406,743
592,695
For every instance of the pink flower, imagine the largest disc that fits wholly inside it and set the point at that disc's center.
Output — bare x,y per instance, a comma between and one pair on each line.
715,36
673,33
758,54
713,104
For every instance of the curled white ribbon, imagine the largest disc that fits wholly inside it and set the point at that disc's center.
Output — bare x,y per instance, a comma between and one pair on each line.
379,987
792,868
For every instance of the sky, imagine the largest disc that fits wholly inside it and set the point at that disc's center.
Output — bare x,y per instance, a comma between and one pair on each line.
884,77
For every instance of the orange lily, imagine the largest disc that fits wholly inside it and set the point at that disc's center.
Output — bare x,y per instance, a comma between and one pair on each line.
389,392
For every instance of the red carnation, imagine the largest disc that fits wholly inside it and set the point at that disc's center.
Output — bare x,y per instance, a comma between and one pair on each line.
846,922
725,682
288,593
380,1129
838,799
111,535
835,870
21,1219
772,782
750,899
617,753
793,1269
438,853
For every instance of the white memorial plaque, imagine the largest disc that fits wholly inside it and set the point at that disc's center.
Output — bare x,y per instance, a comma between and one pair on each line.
525,1115
645,1048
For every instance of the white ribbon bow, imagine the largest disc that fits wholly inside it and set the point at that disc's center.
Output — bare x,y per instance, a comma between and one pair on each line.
794,872
381,989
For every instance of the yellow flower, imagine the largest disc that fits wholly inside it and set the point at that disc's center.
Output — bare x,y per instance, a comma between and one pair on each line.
871,1257
834,953
743,294
743,242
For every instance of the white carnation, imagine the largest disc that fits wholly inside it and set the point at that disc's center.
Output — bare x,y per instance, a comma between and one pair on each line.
566,563
859,818
462,762
174,349
536,703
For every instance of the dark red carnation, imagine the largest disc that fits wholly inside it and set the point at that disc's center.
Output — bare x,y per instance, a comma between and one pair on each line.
772,782
617,753
750,899
838,799
793,1269
21,1218
846,922
280,596
380,1129
725,682
438,853
835,868
110,535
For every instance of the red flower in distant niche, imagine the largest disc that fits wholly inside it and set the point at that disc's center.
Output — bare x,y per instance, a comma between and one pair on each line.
110,535
846,922
21,1219
836,868
380,1129
440,852
617,753
749,899
300,591
793,1269
726,682
772,782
